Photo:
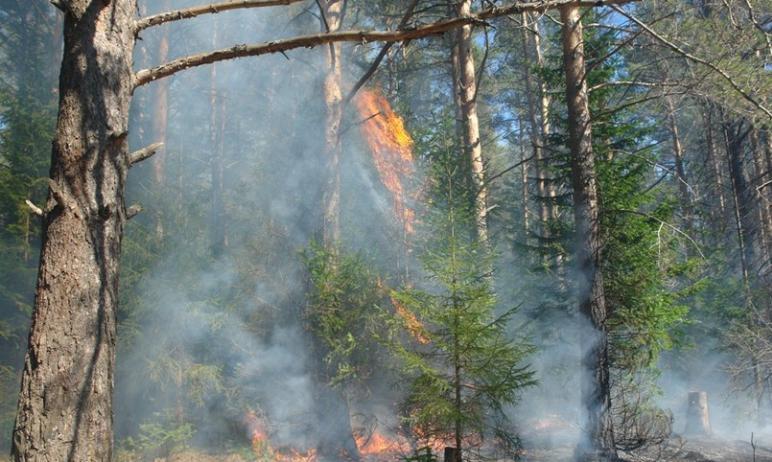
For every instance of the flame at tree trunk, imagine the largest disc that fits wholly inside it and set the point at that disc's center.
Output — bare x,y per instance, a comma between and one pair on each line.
392,149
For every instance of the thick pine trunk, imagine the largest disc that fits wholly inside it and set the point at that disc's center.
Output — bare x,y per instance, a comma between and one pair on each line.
465,87
592,302
65,404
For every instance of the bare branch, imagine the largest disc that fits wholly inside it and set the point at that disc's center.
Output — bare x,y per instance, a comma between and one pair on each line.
363,36
214,8
35,209
133,211
382,54
693,58
144,153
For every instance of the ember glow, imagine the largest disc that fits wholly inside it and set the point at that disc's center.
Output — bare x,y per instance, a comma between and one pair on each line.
392,149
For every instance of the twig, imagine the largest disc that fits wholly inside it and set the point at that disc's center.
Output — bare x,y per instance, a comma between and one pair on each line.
696,59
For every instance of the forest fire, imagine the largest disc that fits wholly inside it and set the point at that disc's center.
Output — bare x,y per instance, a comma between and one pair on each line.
378,444
392,149
262,448
412,323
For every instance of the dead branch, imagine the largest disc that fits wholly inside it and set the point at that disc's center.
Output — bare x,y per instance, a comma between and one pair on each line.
133,211
34,208
382,54
693,58
363,36
214,8
144,153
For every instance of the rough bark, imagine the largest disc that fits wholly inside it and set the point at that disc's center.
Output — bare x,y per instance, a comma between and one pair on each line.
592,302
465,86
65,404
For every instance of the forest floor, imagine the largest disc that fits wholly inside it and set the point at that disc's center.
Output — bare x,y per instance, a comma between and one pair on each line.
674,450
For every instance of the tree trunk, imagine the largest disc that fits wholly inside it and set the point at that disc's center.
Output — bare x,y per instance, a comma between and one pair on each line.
218,240
336,439
680,172
65,404
713,160
592,302
465,86
332,11
735,133
160,124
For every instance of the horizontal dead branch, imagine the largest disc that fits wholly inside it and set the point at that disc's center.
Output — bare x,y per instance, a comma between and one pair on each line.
144,153
363,36
133,210
187,13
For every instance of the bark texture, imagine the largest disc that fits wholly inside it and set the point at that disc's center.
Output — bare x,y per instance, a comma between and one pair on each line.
592,302
65,404
465,86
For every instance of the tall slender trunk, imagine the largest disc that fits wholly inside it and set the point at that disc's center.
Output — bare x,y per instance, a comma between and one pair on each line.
65,405
218,241
735,134
160,123
760,200
592,302
336,440
713,160
332,11
465,87
680,171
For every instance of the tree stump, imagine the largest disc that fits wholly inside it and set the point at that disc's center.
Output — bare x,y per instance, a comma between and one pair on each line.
697,414
452,455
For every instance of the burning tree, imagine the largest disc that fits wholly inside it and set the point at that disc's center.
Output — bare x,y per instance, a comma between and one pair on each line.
466,368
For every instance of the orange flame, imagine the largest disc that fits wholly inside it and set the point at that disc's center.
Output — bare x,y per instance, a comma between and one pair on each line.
261,445
412,323
379,444
392,148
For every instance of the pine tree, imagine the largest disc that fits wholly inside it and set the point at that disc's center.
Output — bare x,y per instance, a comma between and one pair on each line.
452,338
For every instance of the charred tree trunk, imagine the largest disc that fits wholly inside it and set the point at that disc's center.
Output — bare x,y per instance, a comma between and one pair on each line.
465,87
592,302
65,404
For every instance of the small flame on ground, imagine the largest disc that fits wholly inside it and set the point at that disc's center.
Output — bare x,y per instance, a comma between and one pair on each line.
379,444
261,445
392,148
